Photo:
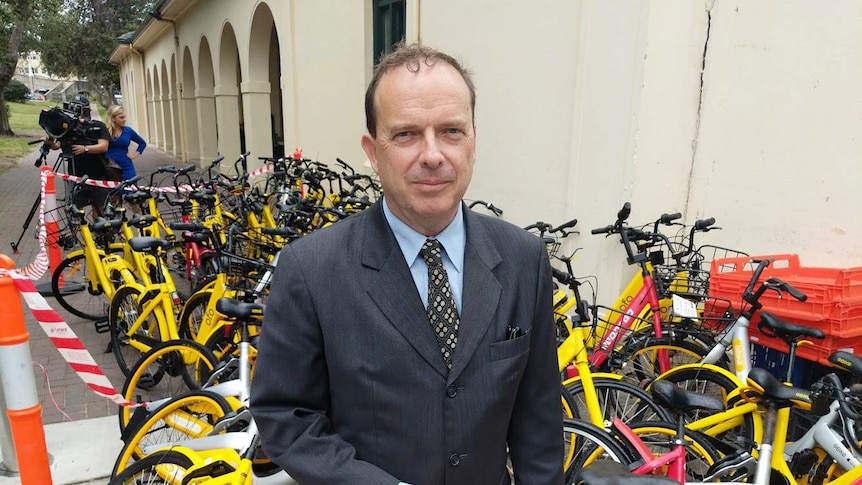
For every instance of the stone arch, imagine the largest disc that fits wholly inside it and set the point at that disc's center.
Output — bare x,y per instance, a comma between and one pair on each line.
207,120
166,108
152,90
261,88
226,91
189,107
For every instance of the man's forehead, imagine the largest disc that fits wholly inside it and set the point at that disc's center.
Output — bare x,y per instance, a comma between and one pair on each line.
403,77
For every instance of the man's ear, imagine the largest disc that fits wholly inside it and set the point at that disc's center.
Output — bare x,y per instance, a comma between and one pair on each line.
370,149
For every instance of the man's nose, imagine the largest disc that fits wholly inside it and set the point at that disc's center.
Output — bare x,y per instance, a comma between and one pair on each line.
432,156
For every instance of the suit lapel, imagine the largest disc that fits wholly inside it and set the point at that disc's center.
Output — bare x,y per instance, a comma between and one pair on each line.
393,290
481,292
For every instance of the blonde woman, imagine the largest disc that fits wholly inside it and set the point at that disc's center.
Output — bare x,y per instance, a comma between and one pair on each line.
121,138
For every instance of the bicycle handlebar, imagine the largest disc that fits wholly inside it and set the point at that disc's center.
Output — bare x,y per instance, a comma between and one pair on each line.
779,285
491,207
566,225
668,218
837,390
702,224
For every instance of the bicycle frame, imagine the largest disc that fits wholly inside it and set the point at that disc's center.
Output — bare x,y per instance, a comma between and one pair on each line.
158,301
102,264
645,299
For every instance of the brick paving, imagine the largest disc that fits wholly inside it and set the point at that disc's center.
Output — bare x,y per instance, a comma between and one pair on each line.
19,187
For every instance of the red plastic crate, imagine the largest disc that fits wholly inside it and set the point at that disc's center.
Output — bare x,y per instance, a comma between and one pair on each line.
834,301
822,284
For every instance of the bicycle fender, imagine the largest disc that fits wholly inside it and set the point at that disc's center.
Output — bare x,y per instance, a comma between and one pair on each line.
708,367
596,375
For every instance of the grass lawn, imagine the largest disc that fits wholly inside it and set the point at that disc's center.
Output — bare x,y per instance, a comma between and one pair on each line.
24,120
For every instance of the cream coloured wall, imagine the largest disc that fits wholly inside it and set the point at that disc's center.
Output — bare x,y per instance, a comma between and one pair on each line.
583,105
778,154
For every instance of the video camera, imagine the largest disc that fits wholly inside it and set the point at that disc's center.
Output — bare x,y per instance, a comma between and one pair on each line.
68,127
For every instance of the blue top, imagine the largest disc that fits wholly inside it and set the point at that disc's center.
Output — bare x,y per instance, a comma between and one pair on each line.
453,239
118,150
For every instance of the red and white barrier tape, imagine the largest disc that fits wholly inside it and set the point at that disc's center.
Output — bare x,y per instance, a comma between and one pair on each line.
37,268
64,338
109,184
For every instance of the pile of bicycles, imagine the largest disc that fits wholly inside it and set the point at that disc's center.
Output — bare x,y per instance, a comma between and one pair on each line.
659,383
676,394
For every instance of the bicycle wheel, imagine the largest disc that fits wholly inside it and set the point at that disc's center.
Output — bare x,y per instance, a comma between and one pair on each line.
639,357
124,311
168,369
192,314
184,417
161,467
74,293
704,380
660,438
617,399
591,444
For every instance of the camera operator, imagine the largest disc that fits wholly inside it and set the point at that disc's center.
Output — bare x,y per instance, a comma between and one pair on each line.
87,145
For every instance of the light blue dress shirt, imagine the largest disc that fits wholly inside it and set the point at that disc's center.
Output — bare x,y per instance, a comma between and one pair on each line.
453,239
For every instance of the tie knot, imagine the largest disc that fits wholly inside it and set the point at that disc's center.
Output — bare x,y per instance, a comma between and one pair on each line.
432,252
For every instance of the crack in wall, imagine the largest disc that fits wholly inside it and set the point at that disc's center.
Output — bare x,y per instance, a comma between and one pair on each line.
709,4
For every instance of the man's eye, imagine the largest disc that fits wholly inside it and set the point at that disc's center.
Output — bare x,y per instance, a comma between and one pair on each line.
453,131
402,135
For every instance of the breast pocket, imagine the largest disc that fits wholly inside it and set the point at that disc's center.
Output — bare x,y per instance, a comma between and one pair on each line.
510,348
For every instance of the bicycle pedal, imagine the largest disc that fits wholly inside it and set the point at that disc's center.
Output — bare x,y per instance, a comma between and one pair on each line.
803,462
102,326
735,467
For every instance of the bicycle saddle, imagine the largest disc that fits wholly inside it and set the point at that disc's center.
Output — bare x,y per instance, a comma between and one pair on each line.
773,388
137,196
848,362
671,396
142,221
608,472
144,244
106,225
236,310
789,332
196,237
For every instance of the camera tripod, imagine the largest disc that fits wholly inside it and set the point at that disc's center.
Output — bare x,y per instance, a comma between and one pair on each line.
62,159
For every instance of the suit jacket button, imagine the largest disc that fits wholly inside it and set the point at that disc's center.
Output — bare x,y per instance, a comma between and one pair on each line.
452,391
455,459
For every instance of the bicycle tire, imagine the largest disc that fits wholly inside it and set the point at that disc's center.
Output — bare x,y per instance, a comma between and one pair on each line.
197,411
706,381
154,469
618,399
700,453
592,443
152,377
193,312
639,357
125,308
86,304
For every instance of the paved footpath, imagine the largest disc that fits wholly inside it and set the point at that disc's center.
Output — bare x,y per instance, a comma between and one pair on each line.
64,397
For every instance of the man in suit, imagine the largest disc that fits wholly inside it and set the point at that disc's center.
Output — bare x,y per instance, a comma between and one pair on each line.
414,342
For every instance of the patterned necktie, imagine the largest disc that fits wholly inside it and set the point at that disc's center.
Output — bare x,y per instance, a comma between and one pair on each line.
442,312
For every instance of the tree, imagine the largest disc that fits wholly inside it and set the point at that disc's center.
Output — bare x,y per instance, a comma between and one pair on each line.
16,91
79,40
14,18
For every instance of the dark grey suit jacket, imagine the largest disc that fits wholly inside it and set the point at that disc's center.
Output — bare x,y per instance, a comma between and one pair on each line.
350,386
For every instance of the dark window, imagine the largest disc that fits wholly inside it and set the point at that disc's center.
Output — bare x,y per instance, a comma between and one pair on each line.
389,25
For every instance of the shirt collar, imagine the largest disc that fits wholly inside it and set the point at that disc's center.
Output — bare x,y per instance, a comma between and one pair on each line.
453,238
